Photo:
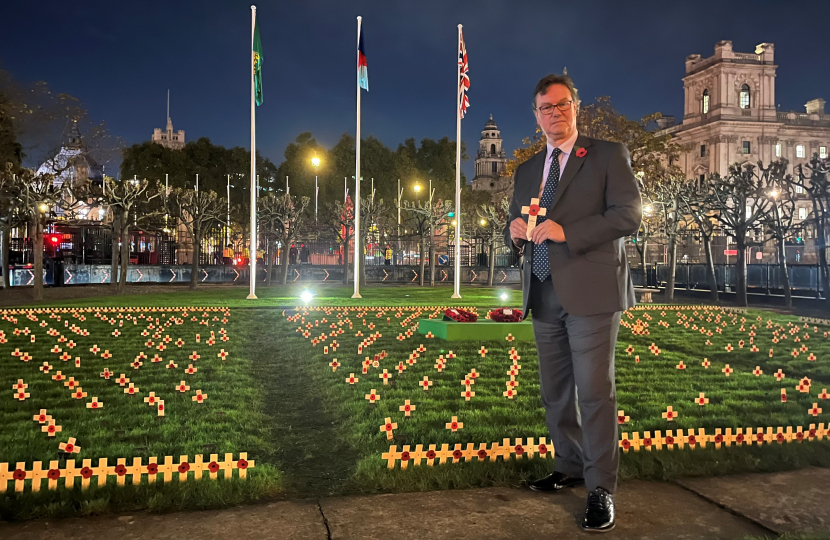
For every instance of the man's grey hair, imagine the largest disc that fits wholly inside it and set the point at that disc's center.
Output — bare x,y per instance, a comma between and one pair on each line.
548,80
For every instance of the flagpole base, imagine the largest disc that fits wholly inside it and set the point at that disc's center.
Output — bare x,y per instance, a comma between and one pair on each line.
356,295
251,296
456,295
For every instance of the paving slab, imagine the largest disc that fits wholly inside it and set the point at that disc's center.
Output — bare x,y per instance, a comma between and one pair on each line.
284,520
783,502
645,511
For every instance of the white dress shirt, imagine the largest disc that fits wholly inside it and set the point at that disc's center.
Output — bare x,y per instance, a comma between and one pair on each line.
566,148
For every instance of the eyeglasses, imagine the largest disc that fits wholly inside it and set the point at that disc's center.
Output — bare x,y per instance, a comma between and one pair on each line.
547,108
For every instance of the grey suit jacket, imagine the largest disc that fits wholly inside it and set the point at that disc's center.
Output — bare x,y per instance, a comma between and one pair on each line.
597,203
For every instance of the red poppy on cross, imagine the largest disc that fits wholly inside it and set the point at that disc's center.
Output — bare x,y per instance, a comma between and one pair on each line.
454,425
388,427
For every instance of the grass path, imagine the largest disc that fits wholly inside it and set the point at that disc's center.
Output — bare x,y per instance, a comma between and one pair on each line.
306,441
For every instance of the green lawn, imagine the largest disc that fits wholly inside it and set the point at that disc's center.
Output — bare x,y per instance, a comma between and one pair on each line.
323,295
313,434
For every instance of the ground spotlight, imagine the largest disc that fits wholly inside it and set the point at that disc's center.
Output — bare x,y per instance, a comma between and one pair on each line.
306,296
503,297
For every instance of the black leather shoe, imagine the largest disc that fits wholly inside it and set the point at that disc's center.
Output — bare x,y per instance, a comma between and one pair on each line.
599,514
555,482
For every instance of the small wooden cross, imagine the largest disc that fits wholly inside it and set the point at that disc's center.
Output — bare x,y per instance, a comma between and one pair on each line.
532,211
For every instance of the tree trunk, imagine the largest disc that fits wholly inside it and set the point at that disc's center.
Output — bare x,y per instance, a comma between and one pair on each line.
284,262
824,271
125,258
431,265
270,262
116,235
785,277
492,254
710,268
421,257
4,257
344,250
37,295
672,267
194,265
740,267
362,267
431,256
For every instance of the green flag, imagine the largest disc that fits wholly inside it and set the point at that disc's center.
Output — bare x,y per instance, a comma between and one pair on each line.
257,64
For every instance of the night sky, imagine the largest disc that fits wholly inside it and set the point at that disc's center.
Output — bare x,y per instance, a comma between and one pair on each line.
120,58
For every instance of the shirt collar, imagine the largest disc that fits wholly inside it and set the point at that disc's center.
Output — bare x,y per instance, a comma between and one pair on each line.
566,147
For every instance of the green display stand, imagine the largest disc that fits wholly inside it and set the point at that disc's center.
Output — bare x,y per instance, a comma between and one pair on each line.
477,331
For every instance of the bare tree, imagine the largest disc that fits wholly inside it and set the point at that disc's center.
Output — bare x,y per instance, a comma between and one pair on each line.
371,208
285,215
817,186
198,211
492,221
10,216
741,201
423,217
664,194
698,203
341,223
37,198
131,200
779,219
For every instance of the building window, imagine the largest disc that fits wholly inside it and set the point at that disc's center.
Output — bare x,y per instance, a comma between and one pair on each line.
495,167
702,179
705,103
798,189
777,149
799,151
822,152
492,148
746,147
802,213
745,96
702,150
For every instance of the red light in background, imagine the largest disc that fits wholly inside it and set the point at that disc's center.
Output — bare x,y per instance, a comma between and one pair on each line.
55,240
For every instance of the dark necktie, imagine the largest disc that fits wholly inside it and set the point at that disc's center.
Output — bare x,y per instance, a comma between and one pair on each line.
541,264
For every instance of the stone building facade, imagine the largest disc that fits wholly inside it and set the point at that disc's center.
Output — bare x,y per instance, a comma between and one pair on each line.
730,115
490,163
168,137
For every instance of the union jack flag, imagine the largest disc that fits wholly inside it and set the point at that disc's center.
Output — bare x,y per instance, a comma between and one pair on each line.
463,77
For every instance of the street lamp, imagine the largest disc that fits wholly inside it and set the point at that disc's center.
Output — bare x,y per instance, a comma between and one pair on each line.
315,161
417,188
483,222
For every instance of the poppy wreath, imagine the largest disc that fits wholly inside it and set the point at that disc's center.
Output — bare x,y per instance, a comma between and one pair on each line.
459,315
506,315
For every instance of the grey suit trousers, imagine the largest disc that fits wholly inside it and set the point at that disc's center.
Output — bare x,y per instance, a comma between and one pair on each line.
576,369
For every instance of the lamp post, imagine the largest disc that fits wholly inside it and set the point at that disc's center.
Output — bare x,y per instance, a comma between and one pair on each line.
315,161
400,194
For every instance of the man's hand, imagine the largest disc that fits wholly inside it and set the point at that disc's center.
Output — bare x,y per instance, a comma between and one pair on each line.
547,230
518,231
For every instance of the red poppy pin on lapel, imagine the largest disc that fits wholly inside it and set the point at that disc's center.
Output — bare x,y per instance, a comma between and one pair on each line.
581,152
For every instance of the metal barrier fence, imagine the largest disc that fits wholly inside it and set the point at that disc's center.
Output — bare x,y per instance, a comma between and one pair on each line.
804,278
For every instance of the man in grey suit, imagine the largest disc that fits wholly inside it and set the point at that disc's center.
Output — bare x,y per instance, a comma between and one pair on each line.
576,284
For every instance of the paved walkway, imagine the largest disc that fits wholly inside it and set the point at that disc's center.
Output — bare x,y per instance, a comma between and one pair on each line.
709,508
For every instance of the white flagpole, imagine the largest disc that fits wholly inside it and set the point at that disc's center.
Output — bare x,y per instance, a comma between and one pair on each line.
357,250
457,277
252,250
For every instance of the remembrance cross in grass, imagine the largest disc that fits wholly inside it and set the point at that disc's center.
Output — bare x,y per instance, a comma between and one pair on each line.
532,211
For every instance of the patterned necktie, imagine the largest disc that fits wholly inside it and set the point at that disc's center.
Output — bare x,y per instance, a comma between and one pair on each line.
541,265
